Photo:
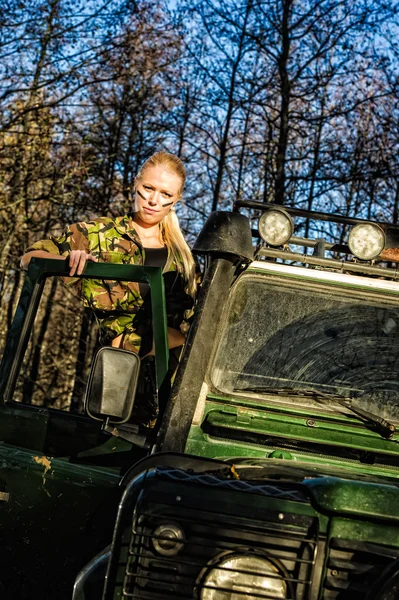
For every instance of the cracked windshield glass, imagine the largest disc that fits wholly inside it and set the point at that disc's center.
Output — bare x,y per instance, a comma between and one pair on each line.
304,337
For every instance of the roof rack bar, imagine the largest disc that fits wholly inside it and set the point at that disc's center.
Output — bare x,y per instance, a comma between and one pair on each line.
299,212
308,243
330,263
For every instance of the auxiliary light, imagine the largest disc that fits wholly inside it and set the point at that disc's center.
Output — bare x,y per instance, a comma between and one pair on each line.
366,241
276,226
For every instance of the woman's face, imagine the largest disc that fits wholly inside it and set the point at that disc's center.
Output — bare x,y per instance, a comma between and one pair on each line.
157,191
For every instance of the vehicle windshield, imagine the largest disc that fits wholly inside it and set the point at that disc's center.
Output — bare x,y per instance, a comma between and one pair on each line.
305,336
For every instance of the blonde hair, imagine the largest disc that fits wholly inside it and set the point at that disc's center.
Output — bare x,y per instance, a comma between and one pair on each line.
170,227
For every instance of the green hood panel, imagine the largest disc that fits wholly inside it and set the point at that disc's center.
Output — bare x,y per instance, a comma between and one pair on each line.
355,498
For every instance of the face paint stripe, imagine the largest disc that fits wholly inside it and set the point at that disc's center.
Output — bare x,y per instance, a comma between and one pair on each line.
144,198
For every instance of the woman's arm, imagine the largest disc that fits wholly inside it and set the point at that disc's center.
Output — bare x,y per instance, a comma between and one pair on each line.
25,260
77,259
175,339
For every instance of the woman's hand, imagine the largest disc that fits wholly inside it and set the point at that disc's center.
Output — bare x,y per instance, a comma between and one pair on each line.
77,261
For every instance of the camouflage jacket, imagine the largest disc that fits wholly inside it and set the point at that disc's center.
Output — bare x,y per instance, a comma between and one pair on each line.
119,306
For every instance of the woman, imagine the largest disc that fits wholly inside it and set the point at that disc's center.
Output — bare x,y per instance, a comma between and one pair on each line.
151,236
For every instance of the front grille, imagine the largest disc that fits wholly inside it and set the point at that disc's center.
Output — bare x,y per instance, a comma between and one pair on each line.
213,533
353,567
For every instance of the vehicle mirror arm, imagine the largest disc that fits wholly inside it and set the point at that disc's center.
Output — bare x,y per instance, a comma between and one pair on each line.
125,433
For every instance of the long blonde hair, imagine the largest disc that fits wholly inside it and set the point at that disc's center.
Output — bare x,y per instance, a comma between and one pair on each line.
170,227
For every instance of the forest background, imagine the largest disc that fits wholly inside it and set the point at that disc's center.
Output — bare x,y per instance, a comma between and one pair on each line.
286,101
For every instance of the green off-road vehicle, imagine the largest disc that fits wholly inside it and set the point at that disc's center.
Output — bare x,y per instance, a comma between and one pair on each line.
273,469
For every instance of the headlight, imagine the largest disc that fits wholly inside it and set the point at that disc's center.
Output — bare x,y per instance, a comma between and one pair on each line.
275,227
240,576
366,241
168,539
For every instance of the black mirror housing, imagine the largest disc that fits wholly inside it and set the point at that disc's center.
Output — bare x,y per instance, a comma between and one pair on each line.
226,234
112,384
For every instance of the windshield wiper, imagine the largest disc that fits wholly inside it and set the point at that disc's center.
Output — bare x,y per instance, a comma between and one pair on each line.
385,428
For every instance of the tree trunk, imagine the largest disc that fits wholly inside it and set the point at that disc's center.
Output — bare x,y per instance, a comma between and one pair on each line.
315,164
230,108
85,349
284,104
30,380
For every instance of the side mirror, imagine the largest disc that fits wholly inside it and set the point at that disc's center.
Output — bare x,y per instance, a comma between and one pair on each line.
112,383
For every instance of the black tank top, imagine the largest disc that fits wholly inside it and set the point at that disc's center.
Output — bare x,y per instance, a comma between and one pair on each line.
154,257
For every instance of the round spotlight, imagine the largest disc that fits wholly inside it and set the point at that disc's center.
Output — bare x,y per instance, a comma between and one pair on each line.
168,539
366,241
242,576
275,227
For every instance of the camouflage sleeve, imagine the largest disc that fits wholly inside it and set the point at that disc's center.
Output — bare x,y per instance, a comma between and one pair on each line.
75,237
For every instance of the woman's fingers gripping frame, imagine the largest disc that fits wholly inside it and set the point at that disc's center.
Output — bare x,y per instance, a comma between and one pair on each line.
77,261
